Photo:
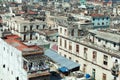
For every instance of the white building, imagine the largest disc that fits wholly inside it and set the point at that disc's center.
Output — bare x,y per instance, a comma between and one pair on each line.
94,52
11,63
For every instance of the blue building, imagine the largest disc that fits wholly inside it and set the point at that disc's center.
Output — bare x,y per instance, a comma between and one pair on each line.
111,0
100,21
83,2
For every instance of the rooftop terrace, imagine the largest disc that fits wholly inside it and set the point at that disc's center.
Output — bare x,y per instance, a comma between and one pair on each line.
27,50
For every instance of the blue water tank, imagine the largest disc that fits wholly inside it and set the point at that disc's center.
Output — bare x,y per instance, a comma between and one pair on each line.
87,76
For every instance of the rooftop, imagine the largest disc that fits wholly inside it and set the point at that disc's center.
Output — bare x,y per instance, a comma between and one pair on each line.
47,32
14,40
106,35
97,15
19,19
35,75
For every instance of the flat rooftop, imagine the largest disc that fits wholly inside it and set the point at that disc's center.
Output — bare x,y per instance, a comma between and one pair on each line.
19,19
14,41
47,32
106,35
35,75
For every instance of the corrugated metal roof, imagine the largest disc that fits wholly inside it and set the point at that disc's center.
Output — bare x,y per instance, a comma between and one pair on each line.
62,61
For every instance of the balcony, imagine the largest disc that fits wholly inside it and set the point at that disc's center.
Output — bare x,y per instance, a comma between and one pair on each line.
38,67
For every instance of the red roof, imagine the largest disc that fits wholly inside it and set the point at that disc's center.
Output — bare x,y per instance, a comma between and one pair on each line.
32,12
97,15
1,21
21,12
13,40
55,47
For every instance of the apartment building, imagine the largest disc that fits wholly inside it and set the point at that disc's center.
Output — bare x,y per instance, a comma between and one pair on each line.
100,21
35,61
96,52
24,27
11,63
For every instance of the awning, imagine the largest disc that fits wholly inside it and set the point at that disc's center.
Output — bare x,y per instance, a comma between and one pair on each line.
62,61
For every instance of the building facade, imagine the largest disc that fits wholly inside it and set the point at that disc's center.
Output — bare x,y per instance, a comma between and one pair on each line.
100,21
11,63
34,59
24,27
94,53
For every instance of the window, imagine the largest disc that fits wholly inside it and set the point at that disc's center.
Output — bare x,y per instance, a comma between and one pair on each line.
93,19
8,68
85,52
60,42
98,23
60,30
114,44
25,28
65,32
106,42
31,26
106,23
11,53
65,45
37,26
72,32
4,66
4,48
84,68
36,37
94,55
104,76
24,37
93,73
70,45
77,48
99,40
102,23
107,18
65,56
30,36
17,78
11,72
79,33
43,26
70,58
77,61
105,59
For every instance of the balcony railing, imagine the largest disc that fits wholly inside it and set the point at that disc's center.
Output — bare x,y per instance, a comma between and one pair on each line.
38,68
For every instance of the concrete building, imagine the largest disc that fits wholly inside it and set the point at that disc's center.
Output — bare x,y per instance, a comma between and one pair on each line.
35,62
94,52
100,21
11,63
24,27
